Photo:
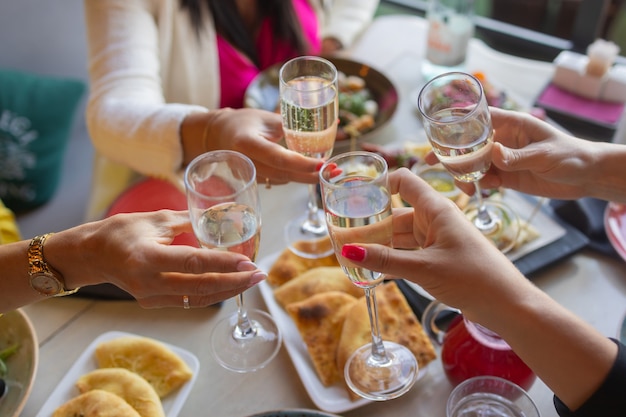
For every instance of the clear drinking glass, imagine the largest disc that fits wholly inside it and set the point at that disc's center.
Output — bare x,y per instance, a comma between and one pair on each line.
357,203
457,122
490,396
309,107
225,212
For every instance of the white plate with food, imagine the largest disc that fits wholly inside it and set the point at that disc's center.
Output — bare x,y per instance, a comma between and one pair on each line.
18,337
86,362
332,399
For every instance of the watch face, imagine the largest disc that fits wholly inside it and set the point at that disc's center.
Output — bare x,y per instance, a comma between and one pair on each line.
46,284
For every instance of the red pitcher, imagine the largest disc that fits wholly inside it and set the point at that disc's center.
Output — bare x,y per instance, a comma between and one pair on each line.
469,349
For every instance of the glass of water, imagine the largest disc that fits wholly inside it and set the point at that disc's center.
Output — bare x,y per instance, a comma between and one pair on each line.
490,396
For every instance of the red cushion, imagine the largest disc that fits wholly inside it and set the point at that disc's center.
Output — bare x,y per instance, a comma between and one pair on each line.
150,195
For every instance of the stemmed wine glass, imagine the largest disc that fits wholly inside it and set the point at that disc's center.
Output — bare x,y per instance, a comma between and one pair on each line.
355,193
225,212
309,108
457,121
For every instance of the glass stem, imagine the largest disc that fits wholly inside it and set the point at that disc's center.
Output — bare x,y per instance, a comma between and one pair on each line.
483,221
244,328
314,223
379,355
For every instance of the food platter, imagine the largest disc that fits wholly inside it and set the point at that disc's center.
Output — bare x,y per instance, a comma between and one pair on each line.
66,390
262,93
615,226
15,327
332,399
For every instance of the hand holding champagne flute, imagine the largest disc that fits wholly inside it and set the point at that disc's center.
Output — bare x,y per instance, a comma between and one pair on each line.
457,121
357,203
309,107
225,212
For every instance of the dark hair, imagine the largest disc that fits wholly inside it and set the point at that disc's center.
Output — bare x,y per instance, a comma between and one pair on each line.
228,22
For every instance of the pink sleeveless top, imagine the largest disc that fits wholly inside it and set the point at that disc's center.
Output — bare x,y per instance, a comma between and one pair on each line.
237,71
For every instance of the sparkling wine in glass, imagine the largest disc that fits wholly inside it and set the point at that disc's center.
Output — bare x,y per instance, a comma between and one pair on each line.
225,212
309,108
357,203
457,122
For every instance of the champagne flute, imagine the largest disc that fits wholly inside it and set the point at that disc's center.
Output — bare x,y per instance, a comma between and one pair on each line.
309,107
357,203
225,212
457,121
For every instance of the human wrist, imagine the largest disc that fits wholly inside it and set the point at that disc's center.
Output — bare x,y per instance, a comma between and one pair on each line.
208,131
605,172
44,275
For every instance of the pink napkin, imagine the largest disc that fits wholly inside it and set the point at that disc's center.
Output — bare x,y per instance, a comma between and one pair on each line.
604,112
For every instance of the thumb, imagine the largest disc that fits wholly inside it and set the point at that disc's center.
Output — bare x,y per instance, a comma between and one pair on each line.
508,159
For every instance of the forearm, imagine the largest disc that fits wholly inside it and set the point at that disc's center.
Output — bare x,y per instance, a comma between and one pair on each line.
570,356
15,289
608,173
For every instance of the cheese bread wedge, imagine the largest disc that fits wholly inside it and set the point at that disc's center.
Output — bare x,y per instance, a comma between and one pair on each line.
151,359
96,403
319,320
134,389
315,281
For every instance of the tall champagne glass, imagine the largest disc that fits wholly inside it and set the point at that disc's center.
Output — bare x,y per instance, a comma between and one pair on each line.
357,203
225,212
309,107
457,121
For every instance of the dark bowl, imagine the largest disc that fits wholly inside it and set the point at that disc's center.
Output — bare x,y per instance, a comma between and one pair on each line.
262,93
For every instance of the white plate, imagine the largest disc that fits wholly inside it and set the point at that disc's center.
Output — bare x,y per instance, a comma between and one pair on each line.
549,230
15,327
86,362
333,399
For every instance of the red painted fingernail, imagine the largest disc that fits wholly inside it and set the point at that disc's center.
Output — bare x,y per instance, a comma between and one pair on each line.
353,252
319,166
335,172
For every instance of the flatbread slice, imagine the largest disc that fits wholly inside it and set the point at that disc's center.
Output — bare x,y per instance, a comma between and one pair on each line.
397,324
319,320
96,403
134,389
151,359
315,281
288,265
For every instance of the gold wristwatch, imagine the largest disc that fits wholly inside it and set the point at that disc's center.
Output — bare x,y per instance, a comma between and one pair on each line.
43,278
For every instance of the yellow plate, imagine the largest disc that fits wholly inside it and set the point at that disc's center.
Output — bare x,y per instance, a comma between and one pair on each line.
16,327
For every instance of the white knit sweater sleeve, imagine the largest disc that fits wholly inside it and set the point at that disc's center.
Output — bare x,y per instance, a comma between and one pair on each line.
127,115
345,20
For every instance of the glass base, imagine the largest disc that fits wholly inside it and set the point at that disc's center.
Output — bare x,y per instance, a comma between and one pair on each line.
504,228
381,381
246,353
309,240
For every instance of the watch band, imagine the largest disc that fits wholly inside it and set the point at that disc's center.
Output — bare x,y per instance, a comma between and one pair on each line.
37,266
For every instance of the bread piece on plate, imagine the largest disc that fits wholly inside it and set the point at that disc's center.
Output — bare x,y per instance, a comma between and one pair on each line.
289,265
151,359
315,281
397,324
319,320
96,403
134,389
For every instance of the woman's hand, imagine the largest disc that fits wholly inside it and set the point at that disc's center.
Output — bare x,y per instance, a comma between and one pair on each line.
456,264
134,252
256,134
532,156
